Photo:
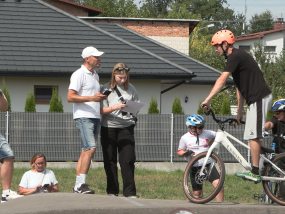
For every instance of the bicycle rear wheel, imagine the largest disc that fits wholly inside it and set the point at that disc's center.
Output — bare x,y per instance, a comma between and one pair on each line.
275,189
192,178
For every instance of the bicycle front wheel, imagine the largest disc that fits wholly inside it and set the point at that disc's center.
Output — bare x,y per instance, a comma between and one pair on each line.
275,189
210,183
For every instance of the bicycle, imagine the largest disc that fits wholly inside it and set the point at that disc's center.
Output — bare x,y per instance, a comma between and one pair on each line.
271,173
263,197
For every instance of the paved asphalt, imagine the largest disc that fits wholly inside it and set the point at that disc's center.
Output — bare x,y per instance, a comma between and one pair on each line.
70,203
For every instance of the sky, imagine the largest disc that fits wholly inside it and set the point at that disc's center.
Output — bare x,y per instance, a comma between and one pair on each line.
276,7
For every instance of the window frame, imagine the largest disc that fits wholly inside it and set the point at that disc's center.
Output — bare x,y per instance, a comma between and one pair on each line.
43,100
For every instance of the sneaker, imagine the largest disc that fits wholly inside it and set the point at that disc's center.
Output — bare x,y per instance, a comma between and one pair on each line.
133,196
111,194
12,195
249,176
84,189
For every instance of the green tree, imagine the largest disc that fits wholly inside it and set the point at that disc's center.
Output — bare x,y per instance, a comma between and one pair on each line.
261,22
7,95
153,106
30,105
55,102
155,8
176,106
113,8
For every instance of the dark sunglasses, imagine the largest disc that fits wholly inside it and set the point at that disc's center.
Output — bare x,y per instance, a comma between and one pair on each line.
200,127
122,68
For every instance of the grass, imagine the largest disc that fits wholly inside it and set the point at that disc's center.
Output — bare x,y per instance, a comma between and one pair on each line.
150,184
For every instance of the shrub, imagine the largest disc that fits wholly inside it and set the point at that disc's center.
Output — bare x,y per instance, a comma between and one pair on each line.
30,105
7,95
200,110
226,107
153,106
55,102
176,106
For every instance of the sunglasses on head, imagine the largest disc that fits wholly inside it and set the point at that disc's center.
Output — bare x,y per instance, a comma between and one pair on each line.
200,127
122,68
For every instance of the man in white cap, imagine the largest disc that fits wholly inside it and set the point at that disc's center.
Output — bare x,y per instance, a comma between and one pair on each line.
84,92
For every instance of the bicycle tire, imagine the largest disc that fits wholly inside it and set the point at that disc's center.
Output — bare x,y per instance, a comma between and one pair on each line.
273,193
209,192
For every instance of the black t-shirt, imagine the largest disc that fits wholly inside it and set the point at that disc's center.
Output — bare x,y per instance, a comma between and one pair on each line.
278,128
247,76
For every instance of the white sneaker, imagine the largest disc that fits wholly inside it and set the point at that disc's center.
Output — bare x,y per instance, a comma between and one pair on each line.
12,195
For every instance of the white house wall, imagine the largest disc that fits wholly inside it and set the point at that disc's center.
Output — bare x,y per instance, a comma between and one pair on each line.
273,39
19,86
195,94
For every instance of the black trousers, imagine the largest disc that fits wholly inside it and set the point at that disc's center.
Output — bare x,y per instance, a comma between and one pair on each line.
119,140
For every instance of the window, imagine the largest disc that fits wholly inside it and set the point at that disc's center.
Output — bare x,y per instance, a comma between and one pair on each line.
43,93
270,49
245,47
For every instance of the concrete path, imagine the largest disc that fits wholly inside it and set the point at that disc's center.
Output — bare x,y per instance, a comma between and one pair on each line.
70,203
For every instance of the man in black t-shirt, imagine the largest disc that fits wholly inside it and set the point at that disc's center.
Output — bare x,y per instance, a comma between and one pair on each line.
277,124
251,86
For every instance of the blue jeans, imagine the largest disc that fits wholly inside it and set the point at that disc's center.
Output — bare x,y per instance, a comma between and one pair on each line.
5,149
89,130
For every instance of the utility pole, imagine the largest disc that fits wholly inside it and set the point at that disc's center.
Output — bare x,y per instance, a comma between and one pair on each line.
244,23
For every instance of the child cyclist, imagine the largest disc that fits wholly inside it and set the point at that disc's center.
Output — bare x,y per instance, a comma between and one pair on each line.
194,142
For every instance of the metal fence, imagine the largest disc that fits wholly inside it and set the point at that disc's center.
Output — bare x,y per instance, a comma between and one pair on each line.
157,136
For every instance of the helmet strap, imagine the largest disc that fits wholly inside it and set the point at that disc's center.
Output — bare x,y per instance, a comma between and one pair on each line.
225,51
196,133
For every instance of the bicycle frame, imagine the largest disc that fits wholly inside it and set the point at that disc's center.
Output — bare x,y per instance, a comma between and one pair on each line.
222,138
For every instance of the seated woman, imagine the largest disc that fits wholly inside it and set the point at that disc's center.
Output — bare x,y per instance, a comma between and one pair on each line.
38,179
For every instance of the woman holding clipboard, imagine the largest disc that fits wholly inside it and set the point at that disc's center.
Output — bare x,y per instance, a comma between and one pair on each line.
117,132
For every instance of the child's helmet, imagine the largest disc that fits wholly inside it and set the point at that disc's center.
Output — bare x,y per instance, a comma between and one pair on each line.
279,105
194,120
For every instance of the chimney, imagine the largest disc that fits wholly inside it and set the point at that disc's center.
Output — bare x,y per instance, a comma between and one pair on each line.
279,24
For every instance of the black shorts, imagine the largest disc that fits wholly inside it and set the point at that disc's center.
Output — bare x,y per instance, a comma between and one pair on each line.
213,176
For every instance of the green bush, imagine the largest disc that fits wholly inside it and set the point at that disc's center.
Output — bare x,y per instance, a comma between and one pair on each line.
153,106
55,102
200,110
176,106
7,95
30,105
226,107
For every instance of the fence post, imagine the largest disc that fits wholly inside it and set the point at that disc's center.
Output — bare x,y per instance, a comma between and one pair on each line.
171,138
7,126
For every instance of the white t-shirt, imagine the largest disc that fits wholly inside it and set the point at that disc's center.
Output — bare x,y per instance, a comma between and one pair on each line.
189,142
30,179
86,84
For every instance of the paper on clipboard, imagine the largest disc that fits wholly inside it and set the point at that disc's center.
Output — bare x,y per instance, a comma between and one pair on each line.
133,107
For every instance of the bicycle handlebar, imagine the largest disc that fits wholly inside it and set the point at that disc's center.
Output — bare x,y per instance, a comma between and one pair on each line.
221,122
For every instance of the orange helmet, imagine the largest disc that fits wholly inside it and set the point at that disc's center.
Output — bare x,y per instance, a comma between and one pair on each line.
223,35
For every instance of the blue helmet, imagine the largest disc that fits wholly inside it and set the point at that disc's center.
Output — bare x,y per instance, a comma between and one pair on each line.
194,120
279,105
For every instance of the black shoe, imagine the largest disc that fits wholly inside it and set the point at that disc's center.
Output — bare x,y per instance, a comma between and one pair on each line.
84,189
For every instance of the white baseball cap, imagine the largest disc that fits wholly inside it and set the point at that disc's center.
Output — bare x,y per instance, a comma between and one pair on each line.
90,51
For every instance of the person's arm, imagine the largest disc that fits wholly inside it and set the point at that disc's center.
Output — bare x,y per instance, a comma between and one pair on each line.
268,125
110,109
72,96
220,83
26,191
3,102
240,101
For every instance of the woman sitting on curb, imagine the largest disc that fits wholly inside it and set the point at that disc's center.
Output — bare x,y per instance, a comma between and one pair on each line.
38,179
